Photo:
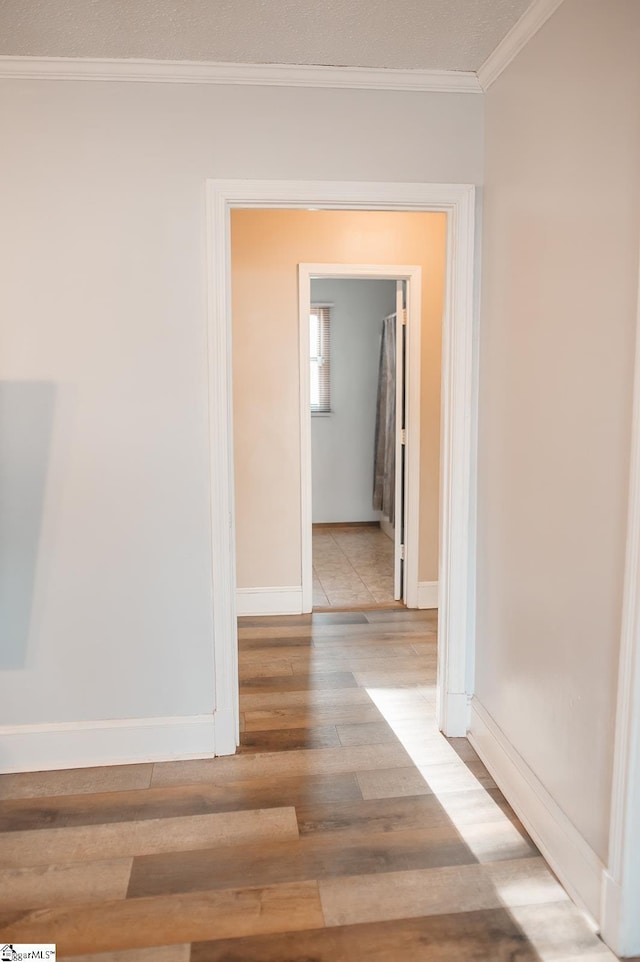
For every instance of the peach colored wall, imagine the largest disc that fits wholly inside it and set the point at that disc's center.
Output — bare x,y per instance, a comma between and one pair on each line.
267,246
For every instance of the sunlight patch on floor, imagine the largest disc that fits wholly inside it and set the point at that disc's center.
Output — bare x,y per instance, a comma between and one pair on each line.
537,902
446,775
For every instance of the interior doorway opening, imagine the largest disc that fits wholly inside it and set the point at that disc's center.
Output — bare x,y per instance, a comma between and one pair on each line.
363,542
231,525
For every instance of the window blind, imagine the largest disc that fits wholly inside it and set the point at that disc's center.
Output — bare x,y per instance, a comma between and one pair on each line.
320,358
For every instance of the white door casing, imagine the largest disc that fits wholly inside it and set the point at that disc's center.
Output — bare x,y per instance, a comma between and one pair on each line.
402,525
459,410
620,919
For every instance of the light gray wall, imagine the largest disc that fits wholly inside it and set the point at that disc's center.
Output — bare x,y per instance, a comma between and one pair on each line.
560,254
342,442
103,304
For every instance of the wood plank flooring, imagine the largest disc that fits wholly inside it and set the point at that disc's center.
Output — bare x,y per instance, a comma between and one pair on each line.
346,828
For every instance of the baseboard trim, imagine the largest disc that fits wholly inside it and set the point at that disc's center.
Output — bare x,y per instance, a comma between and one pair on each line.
571,858
387,528
269,601
87,744
427,594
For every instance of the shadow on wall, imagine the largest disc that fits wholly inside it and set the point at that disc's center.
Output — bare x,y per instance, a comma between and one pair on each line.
26,424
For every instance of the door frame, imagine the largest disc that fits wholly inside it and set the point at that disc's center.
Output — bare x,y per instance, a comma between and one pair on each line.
459,413
412,274
619,918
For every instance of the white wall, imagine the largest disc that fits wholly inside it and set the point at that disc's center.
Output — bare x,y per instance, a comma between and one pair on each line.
103,308
342,443
560,281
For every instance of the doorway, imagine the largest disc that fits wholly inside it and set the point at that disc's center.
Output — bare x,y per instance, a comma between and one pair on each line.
360,433
458,471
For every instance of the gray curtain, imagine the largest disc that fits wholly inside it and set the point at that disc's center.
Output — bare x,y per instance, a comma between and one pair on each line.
384,471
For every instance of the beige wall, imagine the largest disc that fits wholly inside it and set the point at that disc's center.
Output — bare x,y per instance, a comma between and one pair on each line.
560,253
103,315
267,246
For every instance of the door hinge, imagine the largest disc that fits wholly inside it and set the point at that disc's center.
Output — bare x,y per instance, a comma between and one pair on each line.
404,315
403,436
401,552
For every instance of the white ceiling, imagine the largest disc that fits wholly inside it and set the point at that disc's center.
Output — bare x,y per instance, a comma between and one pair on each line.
421,34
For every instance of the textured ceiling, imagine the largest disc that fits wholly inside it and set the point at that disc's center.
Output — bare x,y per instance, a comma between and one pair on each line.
427,34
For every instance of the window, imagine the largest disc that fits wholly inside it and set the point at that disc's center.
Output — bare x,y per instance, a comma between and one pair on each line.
319,357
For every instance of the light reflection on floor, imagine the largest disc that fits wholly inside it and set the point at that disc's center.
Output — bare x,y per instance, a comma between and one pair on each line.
537,902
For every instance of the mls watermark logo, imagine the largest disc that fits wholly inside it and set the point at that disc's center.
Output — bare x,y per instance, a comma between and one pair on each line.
19,953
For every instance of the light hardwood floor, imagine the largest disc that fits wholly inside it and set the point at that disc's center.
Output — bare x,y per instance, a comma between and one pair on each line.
346,828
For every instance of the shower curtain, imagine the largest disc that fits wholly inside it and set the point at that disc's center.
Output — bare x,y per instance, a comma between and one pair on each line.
384,472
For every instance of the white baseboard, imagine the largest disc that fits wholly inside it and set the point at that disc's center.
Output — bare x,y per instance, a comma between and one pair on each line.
427,594
571,858
387,528
269,601
40,748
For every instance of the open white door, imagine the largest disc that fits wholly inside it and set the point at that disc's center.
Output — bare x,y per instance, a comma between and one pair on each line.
400,589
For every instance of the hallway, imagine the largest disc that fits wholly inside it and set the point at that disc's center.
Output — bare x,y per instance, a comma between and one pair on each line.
347,828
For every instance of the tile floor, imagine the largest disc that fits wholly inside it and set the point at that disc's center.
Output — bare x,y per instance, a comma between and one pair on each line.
346,829
352,566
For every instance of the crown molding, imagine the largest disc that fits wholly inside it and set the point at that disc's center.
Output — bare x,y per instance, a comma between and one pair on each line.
264,75
519,35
